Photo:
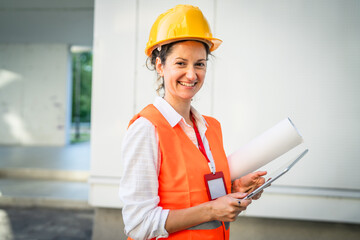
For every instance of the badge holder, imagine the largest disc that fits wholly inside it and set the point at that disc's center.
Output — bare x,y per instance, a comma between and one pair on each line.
215,185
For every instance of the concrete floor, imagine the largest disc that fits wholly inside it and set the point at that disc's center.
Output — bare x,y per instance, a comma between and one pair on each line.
18,223
45,176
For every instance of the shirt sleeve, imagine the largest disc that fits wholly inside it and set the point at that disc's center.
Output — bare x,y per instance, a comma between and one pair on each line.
143,218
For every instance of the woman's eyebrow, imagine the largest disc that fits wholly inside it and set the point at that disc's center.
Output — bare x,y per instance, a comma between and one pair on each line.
180,58
184,59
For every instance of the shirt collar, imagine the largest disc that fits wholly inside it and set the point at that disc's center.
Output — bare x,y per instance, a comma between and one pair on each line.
174,117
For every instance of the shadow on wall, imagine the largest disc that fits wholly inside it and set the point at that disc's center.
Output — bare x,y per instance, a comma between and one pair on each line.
13,128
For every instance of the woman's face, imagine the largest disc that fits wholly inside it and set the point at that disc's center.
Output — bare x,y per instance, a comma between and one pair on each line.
184,70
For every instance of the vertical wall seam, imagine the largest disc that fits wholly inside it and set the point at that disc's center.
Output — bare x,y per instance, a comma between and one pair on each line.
212,93
68,101
136,55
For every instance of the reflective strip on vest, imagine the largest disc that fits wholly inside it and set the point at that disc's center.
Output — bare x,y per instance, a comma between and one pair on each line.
227,225
209,225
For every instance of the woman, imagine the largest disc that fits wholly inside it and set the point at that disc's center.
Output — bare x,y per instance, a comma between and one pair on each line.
172,154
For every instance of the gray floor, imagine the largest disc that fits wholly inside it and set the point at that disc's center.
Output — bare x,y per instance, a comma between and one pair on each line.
44,192
19,223
45,176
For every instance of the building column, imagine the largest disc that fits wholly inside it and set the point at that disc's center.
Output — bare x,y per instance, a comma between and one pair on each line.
112,107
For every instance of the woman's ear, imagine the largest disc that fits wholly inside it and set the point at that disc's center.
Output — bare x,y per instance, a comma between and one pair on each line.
159,67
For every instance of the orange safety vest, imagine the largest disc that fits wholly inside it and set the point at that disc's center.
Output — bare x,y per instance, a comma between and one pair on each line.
182,170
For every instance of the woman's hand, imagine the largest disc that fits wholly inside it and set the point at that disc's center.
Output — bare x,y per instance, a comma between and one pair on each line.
228,207
249,183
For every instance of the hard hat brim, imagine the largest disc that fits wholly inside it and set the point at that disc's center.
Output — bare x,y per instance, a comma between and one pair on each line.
213,43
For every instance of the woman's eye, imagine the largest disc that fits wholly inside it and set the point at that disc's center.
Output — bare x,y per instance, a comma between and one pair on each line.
201,64
180,63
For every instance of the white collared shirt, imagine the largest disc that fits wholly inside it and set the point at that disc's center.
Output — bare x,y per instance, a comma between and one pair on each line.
143,218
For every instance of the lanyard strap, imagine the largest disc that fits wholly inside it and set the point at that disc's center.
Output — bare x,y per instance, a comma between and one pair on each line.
201,145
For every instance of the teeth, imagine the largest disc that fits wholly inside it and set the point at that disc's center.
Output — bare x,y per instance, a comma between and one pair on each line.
188,84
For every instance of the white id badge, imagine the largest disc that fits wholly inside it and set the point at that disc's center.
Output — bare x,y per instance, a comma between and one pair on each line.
215,185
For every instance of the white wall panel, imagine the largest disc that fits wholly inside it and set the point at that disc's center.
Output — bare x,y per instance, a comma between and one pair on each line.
289,205
34,94
297,59
113,83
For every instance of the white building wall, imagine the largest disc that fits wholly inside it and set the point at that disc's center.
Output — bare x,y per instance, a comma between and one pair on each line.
112,95
278,59
34,94
298,59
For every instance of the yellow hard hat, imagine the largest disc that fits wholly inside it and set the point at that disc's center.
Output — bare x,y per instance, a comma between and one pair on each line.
183,22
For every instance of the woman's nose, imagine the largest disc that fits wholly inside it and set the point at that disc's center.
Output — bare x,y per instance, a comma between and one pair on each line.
191,74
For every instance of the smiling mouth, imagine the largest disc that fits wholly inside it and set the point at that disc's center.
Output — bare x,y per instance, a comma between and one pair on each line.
187,84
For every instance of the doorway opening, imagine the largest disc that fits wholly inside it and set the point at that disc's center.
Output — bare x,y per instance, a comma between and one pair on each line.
81,94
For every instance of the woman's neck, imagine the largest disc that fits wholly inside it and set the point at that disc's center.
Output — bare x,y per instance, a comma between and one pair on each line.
181,107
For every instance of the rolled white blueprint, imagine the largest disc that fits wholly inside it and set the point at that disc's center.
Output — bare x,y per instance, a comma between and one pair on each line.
264,148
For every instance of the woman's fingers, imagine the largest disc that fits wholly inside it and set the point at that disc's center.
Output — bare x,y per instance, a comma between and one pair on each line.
238,199
249,182
242,204
257,196
228,207
261,173
237,195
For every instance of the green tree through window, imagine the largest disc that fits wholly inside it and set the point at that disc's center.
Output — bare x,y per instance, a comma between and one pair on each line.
81,94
